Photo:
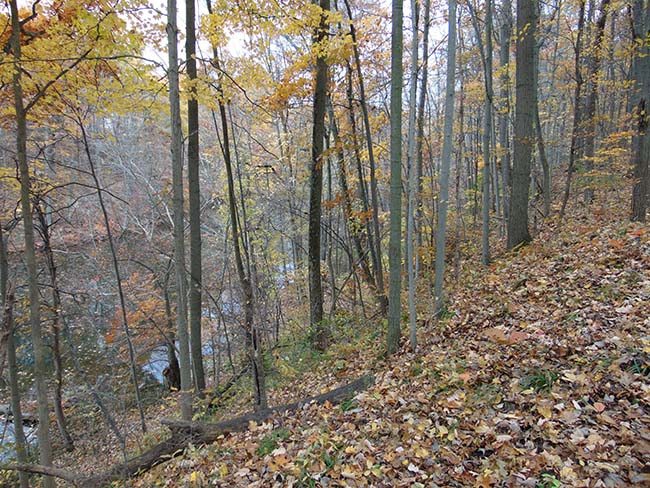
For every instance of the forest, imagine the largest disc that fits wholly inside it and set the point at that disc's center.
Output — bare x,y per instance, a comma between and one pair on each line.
324,243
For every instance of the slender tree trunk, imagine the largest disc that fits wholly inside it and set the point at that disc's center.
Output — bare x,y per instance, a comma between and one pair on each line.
412,183
641,141
445,165
459,170
395,247
374,190
116,270
363,192
195,303
546,167
179,226
576,109
7,299
252,333
420,136
486,58
40,366
253,340
505,35
518,232
56,330
539,137
595,56
316,182
353,224
174,368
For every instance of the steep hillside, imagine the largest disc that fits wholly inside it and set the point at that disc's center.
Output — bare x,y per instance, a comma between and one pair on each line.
538,375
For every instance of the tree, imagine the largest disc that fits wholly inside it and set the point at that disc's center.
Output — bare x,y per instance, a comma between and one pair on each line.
445,163
375,241
395,247
641,76
40,366
486,59
593,64
418,220
179,228
518,232
195,304
413,177
44,230
316,179
7,299
505,35
577,112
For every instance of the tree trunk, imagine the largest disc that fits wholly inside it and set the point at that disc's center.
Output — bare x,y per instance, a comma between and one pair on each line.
179,226
412,183
316,182
420,137
40,366
363,192
505,35
7,300
56,329
395,248
193,182
174,378
445,163
576,109
253,342
353,224
116,270
374,190
641,141
595,57
518,232
486,58
539,137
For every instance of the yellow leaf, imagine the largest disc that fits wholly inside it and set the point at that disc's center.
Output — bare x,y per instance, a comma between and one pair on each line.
545,411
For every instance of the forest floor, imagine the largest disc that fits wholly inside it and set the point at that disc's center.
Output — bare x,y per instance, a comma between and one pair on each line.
537,375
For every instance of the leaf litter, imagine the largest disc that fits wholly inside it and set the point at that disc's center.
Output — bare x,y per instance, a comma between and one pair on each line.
539,376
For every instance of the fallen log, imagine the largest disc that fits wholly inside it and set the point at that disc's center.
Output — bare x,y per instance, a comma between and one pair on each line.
183,433
336,395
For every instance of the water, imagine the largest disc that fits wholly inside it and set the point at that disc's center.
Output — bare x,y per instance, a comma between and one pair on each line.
158,361
8,438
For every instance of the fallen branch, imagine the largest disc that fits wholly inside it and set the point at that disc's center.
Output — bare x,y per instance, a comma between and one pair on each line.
64,474
237,424
184,433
